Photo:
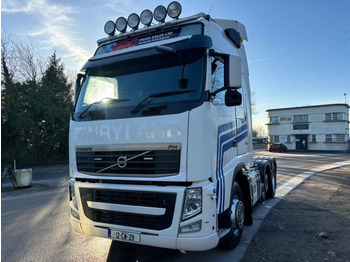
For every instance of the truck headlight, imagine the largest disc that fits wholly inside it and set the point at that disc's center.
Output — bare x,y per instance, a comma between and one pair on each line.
72,196
193,203
174,9
146,17
133,21
121,24
191,228
160,13
110,28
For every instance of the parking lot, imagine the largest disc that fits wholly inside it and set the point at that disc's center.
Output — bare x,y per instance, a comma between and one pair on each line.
37,219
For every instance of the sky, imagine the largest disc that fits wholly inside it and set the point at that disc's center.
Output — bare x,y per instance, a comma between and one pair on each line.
298,50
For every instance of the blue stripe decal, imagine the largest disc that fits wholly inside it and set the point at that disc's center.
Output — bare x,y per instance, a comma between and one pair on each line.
224,143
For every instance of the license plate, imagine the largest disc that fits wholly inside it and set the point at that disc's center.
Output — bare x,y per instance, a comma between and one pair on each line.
124,236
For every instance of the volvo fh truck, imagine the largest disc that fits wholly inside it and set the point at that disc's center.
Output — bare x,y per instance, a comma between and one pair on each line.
161,134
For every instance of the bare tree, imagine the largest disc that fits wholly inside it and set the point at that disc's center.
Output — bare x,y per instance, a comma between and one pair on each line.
253,102
259,130
7,68
23,63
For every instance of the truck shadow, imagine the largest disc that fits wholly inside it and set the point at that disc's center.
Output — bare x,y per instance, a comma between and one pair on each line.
120,251
125,252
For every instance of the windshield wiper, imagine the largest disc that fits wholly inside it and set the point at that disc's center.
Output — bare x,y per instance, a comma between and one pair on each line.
150,98
106,100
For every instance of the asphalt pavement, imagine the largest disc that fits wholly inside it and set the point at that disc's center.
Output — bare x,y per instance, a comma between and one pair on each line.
27,209
311,223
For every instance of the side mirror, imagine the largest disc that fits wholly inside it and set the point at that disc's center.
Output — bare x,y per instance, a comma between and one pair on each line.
233,98
234,72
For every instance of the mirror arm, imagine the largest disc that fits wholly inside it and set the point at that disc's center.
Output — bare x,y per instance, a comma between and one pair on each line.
212,94
212,52
218,91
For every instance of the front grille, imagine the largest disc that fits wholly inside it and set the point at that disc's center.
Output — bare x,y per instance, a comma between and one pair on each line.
135,198
156,162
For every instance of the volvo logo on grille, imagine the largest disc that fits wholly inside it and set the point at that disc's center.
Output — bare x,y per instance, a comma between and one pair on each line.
122,161
84,149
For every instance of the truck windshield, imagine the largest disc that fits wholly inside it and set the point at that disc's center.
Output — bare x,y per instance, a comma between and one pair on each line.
153,85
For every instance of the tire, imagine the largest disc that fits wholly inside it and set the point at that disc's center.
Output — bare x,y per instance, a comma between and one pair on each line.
264,189
263,165
237,218
271,190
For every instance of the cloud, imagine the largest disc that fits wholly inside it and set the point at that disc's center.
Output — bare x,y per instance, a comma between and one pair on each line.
264,59
56,25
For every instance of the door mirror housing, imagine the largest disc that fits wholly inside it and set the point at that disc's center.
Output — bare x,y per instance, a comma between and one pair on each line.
233,98
234,71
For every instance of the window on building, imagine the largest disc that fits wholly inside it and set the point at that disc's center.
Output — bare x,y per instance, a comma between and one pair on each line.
339,138
274,139
329,138
274,119
288,139
300,126
313,138
300,118
336,117
335,138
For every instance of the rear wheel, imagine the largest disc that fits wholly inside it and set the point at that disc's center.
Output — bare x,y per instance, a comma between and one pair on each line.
264,189
271,190
237,218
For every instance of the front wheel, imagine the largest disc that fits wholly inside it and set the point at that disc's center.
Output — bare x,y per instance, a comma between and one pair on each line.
237,218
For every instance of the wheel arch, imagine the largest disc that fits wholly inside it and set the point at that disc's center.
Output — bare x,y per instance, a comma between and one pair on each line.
243,182
224,219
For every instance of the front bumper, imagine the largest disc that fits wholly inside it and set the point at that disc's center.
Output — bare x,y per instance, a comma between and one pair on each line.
181,243
164,237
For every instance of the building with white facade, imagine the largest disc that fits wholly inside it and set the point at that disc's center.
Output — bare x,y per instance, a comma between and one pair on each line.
320,127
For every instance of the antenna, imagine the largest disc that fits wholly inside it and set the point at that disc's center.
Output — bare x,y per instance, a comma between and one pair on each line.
345,98
211,7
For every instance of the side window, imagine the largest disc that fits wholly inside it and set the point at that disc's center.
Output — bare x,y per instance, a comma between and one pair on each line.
217,80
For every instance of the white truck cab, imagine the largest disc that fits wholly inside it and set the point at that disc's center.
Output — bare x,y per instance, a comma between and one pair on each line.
161,135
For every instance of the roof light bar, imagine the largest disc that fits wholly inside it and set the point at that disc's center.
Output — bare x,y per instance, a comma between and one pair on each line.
160,13
174,10
121,24
146,17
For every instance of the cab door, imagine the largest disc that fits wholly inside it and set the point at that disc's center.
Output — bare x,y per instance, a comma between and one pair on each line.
224,130
243,115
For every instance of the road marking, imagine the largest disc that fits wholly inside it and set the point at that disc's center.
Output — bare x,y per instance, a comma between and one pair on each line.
291,184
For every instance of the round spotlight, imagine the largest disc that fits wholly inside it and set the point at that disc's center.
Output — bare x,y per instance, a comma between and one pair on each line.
110,28
133,21
174,9
160,13
121,24
146,17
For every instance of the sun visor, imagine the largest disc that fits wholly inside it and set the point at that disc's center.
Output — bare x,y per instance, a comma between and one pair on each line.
193,42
